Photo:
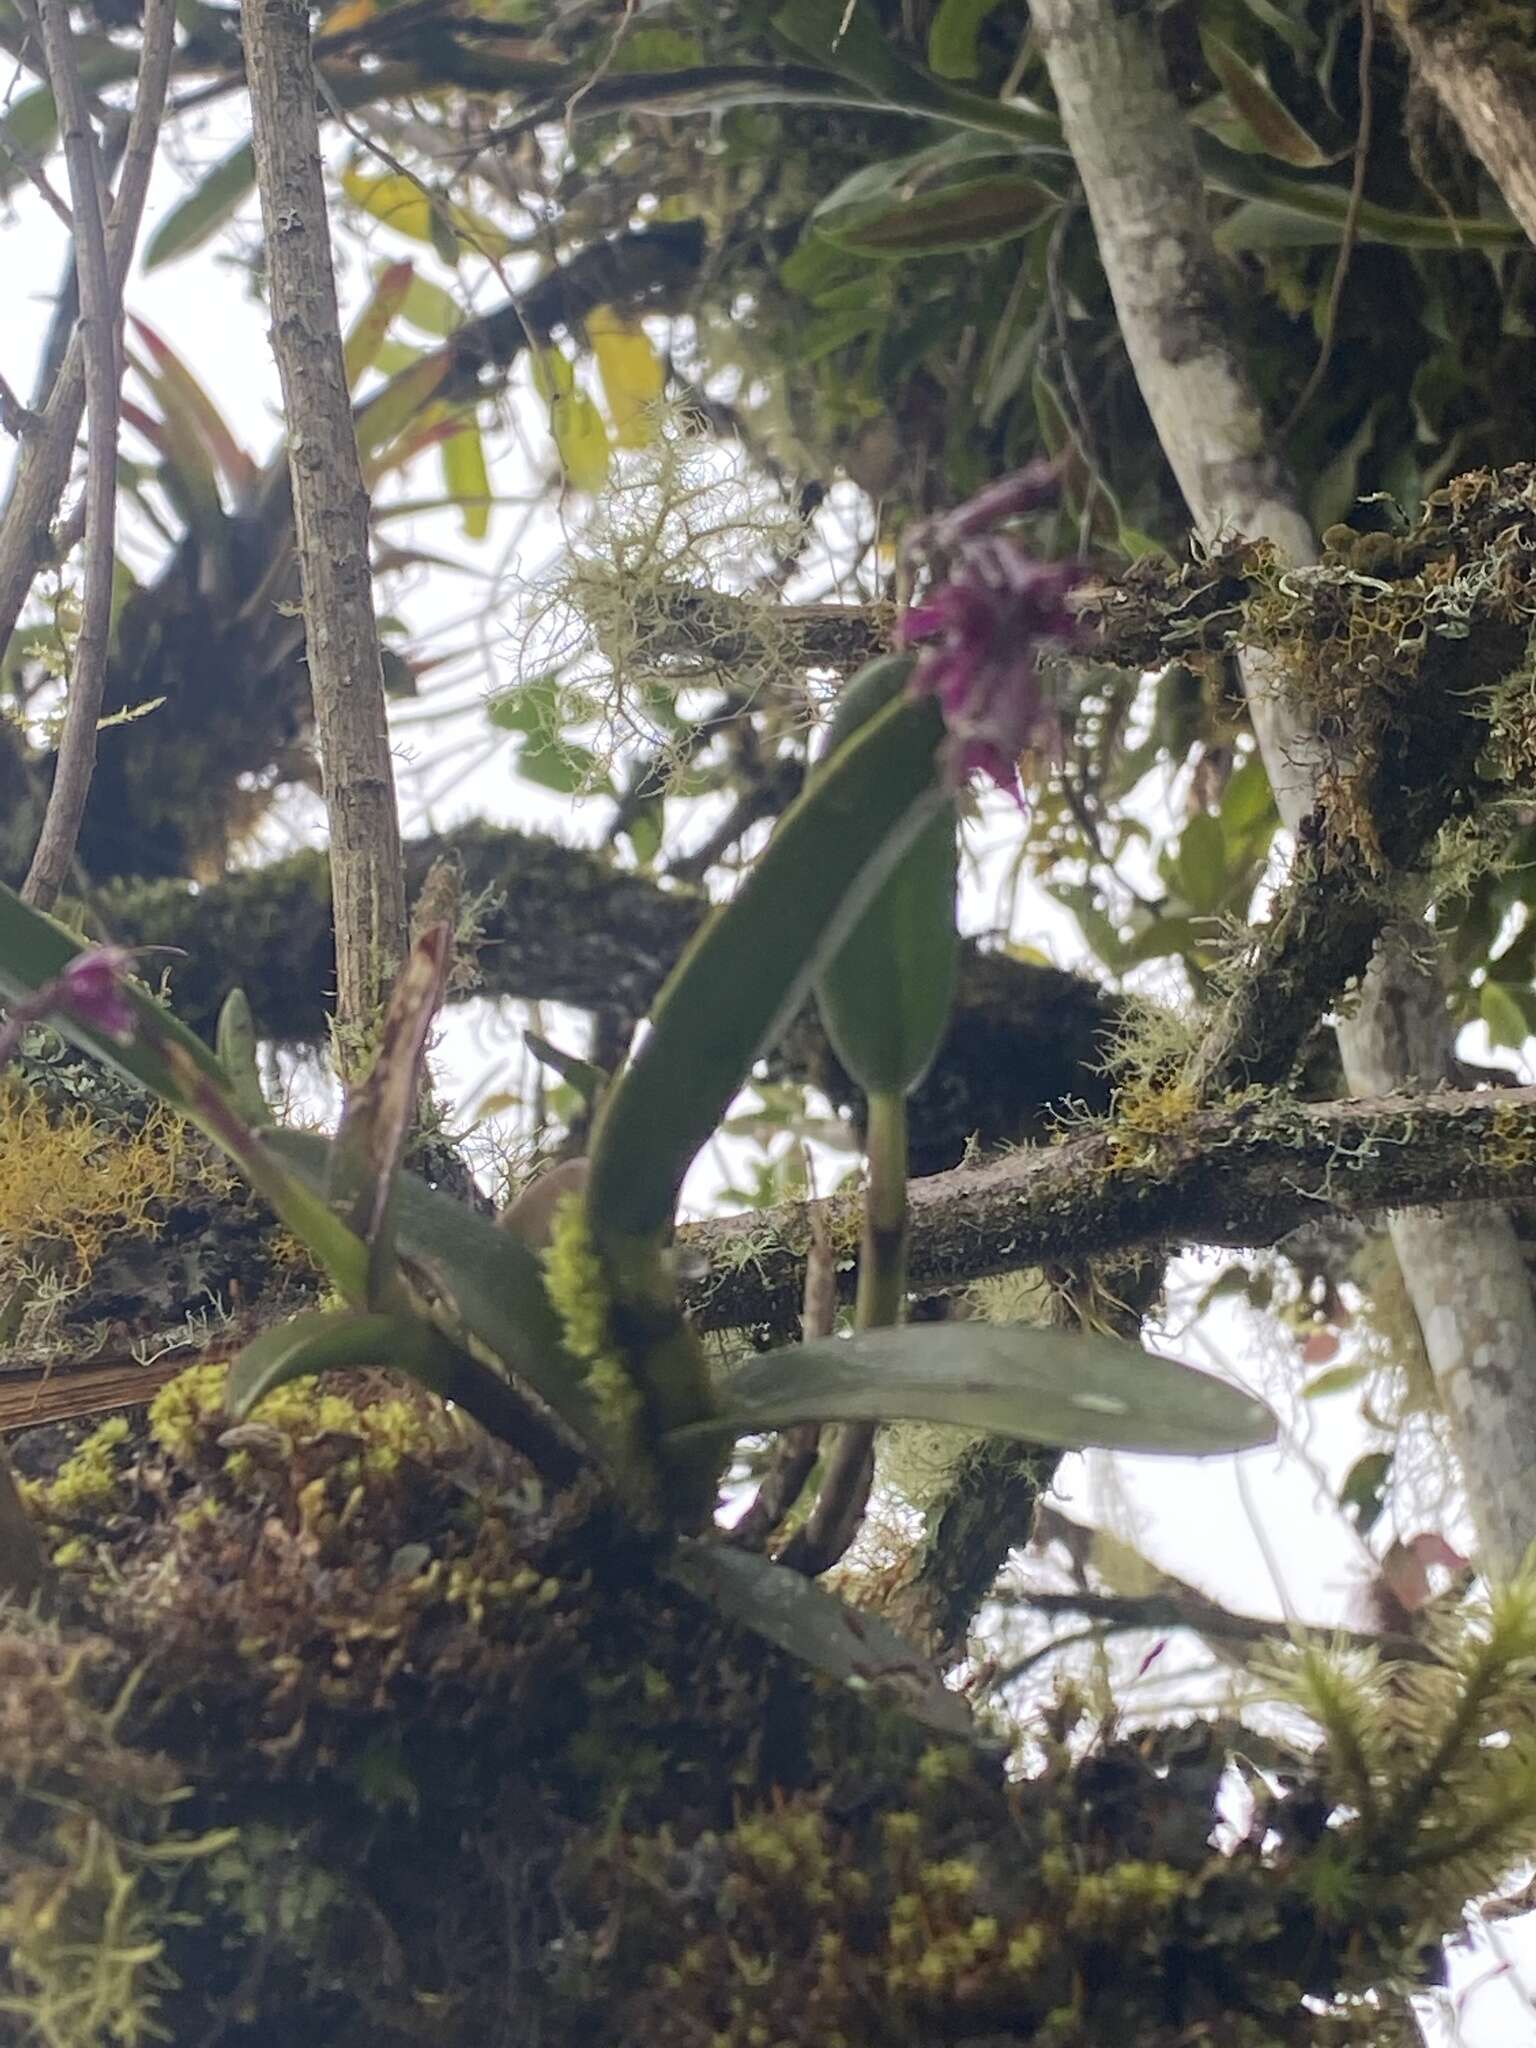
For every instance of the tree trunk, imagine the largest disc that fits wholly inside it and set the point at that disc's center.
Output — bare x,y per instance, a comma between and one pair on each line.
1464,1274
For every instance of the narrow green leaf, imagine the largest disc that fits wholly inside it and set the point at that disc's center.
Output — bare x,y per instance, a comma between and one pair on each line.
184,401
204,211
376,1122
885,996
749,969
325,1341
587,1079
1038,1386
487,1281
856,1649
331,1341
236,1045
1338,1379
1272,122
954,39
963,213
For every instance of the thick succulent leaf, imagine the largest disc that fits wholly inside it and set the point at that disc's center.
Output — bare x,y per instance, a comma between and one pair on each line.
365,1161
885,996
1036,1385
750,968
484,1279
856,1649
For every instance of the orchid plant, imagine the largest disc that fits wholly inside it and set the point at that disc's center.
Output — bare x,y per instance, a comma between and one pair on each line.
581,1355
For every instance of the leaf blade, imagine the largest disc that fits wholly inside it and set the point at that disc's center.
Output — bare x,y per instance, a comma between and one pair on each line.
1015,1380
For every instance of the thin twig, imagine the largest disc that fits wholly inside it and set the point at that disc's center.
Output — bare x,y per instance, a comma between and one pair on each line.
793,1458
15,417
47,455
99,312
1347,240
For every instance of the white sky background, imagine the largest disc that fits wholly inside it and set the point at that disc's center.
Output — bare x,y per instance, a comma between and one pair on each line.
1261,1534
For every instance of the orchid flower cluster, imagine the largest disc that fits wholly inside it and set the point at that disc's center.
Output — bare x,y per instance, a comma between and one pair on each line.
989,614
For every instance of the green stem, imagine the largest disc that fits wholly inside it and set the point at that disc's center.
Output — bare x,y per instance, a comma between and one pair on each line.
849,1471
883,1253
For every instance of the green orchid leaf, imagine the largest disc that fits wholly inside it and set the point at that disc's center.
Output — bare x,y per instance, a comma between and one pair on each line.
485,1281
885,997
1035,1385
850,1646
331,1340
365,1160
198,217
752,966
236,1045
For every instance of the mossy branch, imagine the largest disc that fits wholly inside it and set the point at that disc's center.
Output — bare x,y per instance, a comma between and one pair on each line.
1237,1176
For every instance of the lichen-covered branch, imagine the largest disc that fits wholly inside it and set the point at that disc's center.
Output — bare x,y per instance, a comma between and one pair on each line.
1235,1176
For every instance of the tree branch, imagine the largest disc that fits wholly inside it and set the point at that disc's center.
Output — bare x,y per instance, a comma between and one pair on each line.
42,471
100,311
1237,1177
330,506
1481,65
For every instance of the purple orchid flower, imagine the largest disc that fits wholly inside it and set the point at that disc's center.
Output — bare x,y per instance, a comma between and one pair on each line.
983,625
92,990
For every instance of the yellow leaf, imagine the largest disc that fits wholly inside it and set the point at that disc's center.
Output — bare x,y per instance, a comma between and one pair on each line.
396,200
350,14
633,375
581,435
405,205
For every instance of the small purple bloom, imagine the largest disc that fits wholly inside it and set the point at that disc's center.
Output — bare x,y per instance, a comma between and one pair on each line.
983,625
93,989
